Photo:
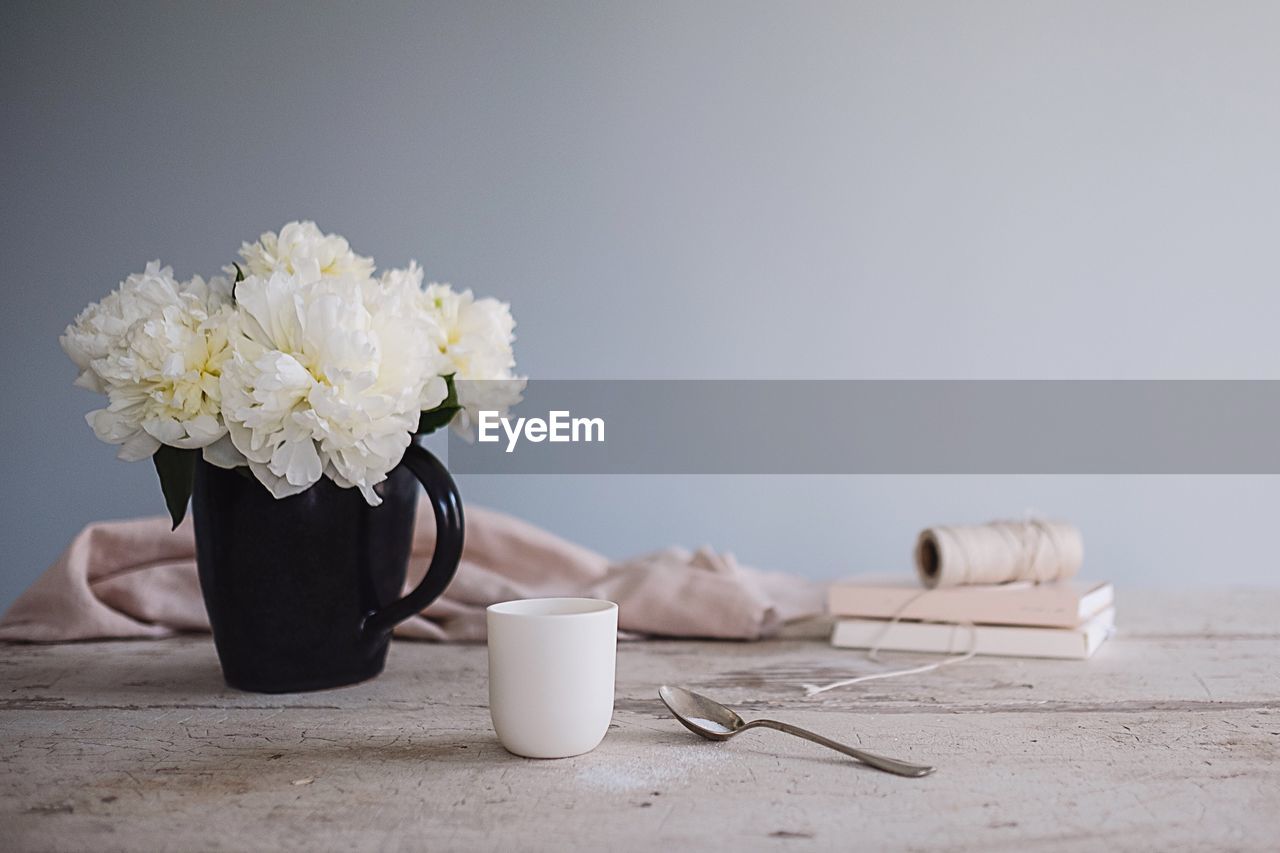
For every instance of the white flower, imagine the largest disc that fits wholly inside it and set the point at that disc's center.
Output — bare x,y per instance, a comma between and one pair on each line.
328,377
155,347
301,248
315,369
478,334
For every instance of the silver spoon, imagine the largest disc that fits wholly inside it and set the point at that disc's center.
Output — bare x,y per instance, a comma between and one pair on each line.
714,721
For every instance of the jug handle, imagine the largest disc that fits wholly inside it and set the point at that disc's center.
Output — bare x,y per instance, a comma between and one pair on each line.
447,506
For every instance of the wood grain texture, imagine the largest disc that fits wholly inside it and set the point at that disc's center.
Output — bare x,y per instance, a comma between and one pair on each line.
1169,738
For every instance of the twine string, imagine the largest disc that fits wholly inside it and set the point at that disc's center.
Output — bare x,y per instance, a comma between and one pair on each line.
873,653
999,553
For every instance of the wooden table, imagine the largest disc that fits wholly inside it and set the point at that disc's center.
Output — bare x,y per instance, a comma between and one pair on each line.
1169,738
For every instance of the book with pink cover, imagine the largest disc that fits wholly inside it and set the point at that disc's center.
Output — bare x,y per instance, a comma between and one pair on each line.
1064,604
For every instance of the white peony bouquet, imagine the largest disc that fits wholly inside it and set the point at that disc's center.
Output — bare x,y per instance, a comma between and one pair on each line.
298,363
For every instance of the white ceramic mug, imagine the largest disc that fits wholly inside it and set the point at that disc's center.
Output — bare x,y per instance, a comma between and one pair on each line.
551,664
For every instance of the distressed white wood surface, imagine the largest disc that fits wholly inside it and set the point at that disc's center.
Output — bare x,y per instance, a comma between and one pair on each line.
1169,738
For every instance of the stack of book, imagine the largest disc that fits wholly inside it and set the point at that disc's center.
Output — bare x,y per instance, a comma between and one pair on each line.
1066,619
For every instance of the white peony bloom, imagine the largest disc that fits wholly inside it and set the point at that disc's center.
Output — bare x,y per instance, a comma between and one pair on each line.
315,369
478,334
327,376
155,347
302,249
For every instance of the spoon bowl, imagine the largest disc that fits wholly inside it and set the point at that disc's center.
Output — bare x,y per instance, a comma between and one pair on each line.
701,715
709,719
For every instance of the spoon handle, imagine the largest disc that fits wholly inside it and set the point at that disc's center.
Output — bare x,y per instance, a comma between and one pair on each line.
889,765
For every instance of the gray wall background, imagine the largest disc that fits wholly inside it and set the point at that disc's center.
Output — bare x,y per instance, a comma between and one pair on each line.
684,190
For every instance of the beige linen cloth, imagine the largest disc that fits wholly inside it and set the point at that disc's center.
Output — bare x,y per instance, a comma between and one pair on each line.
138,579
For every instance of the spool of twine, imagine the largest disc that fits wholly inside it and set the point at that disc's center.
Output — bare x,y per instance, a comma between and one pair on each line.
998,552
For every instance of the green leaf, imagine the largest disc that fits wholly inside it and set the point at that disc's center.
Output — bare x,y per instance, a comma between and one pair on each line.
433,419
429,422
239,278
177,471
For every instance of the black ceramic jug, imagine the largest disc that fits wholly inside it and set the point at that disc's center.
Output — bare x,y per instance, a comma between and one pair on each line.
303,592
